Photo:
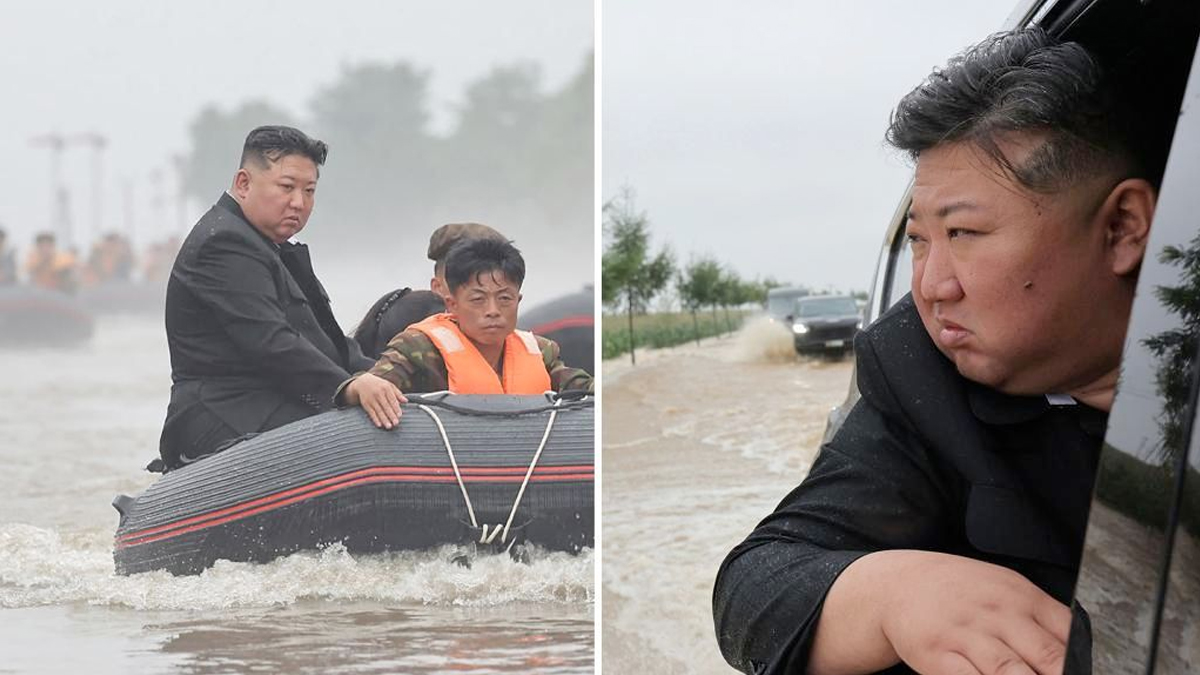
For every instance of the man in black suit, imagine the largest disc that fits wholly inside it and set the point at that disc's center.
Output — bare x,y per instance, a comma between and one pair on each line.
254,344
940,530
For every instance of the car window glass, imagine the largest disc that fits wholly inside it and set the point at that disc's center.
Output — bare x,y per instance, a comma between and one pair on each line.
826,307
1136,484
901,270
1179,629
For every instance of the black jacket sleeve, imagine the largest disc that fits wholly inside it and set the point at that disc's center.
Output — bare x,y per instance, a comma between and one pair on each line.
873,487
243,296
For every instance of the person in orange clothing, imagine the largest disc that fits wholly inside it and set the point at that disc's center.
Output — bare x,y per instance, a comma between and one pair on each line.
472,348
47,267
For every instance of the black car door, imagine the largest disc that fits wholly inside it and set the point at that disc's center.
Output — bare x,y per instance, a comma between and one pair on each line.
1139,580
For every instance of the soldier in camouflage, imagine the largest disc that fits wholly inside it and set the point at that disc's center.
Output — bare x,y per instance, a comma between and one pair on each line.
474,348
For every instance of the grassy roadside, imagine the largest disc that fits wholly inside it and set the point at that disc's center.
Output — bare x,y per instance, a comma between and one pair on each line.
664,329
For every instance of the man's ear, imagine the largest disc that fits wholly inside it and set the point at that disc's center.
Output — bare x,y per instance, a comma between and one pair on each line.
436,285
1127,214
451,303
241,183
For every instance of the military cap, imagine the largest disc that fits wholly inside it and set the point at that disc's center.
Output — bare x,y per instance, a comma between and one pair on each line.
446,236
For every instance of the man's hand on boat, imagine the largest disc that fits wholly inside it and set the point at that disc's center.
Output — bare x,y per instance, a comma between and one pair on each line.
380,398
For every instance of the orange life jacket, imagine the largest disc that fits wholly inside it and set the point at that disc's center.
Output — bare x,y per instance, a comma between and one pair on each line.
469,373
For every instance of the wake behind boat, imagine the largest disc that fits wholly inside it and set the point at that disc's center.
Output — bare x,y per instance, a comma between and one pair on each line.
495,470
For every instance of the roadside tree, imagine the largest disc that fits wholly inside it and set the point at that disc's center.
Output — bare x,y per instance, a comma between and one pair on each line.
630,274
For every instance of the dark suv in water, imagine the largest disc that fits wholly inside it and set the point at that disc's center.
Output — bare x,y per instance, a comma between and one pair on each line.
825,323
1139,579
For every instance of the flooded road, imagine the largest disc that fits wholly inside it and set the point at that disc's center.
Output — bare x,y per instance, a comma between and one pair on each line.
77,425
700,443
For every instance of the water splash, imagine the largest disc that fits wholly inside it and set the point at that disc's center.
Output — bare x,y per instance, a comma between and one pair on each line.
762,340
41,567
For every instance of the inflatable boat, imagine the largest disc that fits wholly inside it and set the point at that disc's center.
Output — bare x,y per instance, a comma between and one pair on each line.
31,316
570,321
493,471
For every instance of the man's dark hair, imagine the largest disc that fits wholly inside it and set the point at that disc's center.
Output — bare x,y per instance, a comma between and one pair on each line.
267,145
471,258
1025,81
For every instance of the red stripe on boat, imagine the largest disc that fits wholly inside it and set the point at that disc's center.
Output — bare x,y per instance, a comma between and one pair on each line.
364,476
567,322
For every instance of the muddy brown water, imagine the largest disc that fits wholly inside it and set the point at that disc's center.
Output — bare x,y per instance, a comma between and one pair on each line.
77,425
700,443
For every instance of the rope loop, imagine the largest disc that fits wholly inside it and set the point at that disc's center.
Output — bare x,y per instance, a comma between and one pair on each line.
488,534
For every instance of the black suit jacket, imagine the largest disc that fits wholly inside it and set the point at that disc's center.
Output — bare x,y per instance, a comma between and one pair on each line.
253,342
925,460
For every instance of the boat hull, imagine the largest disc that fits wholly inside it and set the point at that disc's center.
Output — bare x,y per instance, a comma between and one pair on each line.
335,478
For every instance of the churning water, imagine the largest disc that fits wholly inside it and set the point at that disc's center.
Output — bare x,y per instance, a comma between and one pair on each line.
77,425
700,443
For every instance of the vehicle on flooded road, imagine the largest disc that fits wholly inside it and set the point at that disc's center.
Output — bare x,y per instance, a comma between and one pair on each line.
825,324
781,302
1139,575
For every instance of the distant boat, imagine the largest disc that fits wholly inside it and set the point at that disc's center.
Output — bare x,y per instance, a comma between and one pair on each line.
569,320
34,317
495,471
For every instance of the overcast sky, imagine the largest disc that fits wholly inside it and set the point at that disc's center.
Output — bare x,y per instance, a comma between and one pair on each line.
139,71
752,131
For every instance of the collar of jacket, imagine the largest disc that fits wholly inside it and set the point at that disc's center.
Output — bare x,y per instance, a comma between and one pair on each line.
997,408
994,407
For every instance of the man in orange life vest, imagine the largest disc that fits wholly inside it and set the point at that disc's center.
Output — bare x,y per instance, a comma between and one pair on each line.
473,348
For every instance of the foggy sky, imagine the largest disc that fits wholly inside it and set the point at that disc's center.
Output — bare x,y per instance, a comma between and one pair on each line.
139,71
753,131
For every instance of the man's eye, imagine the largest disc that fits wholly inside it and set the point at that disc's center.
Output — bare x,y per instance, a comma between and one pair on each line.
913,239
956,232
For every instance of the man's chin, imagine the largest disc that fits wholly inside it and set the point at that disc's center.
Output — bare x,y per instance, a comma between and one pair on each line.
977,369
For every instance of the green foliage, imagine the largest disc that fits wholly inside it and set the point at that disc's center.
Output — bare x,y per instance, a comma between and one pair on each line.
1145,491
1176,348
660,330
375,121
514,154
700,284
217,140
630,274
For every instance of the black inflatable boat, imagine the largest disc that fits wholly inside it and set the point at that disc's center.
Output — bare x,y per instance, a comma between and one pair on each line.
496,471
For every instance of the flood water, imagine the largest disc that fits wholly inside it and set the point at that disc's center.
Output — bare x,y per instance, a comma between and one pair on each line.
700,443
77,425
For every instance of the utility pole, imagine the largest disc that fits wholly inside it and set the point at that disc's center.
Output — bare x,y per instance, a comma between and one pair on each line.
158,202
60,212
179,163
98,143
130,220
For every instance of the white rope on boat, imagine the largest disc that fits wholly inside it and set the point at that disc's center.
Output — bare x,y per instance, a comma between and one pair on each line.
528,473
488,534
453,463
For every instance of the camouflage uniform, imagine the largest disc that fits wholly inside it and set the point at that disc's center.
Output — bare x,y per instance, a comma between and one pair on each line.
413,363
